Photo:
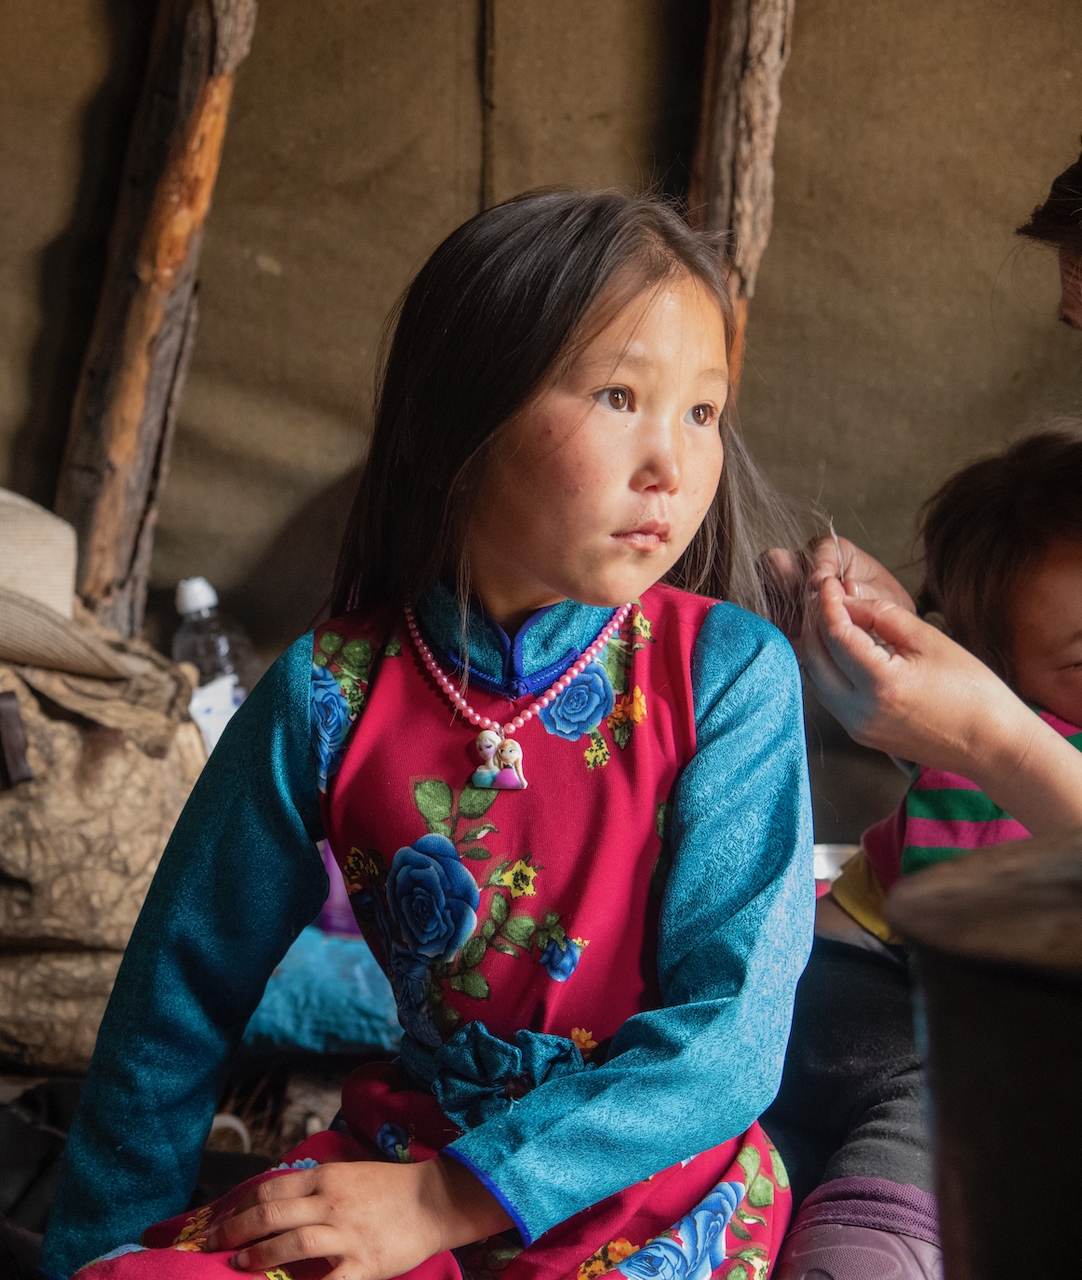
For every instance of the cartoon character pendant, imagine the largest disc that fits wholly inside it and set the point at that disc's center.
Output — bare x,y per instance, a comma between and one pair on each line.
501,762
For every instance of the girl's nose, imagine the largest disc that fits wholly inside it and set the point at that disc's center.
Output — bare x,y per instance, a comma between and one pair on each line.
661,462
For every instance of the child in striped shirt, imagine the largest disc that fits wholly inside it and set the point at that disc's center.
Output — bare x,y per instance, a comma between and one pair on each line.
1003,577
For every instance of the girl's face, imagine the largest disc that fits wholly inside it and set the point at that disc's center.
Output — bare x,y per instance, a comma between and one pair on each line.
596,488
1046,626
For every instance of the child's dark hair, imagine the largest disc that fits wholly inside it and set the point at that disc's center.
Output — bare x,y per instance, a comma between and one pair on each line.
1057,221
487,321
990,524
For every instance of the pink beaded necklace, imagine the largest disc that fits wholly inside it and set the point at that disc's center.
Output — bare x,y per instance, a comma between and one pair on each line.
501,756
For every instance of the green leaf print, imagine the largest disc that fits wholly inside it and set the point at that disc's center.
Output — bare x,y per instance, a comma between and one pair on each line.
519,930
475,802
474,985
495,876
330,642
777,1164
504,949
478,853
621,733
761,1192
597,753
488,930
356,658
614,659
433,800
444,1018
394,648
737,1230
474,952
321,659
354,693
748,1160
478,833
499,908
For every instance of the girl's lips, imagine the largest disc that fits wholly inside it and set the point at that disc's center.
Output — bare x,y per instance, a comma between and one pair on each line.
647,537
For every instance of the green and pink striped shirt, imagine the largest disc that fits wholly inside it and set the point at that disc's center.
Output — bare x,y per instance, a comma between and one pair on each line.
942,816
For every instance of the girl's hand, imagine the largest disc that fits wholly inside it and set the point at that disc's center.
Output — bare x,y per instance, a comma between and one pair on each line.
927,699
371,1220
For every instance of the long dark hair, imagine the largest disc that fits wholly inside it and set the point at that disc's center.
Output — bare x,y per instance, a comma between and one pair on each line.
989,524
484,324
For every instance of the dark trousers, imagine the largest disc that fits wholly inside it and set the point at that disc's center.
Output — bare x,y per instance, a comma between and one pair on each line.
851,1102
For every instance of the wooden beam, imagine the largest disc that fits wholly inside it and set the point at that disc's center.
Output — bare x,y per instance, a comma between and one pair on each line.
732,178
125,407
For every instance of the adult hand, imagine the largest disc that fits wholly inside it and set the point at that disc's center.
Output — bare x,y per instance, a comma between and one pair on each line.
899,685
861,574
798,577
371,1220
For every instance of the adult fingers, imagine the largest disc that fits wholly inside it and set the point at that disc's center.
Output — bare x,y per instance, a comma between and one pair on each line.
862,575
318,1241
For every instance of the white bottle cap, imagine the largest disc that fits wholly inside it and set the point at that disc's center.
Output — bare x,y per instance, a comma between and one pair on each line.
194,595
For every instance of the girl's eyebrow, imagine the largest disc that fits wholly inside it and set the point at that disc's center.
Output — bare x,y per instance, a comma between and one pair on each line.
627,360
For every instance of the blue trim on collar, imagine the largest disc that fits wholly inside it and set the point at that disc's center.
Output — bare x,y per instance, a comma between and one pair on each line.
498,662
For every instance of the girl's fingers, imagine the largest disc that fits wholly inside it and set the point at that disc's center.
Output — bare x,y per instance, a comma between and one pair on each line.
287,1187
318,1241
269,1218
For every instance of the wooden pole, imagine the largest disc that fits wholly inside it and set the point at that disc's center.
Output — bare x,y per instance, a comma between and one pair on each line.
732,178
125,407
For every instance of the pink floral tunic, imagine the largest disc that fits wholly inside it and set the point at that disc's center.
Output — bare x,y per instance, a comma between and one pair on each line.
520,932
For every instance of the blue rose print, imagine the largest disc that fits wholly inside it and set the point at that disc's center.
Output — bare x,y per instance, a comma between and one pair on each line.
432,898
409,980
561,962
695,1247
581,707
394,1142
330,723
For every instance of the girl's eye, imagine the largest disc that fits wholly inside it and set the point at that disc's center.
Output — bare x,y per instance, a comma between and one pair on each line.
618,398
701,414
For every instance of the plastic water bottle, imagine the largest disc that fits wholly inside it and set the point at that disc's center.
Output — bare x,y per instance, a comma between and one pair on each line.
220,651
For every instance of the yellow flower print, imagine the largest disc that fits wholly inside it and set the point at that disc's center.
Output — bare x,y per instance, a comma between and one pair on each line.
584,1039
630,708
362,866
519,879
194,1234
581,943
607,1257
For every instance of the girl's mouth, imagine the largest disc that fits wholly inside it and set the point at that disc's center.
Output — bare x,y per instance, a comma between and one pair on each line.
645,537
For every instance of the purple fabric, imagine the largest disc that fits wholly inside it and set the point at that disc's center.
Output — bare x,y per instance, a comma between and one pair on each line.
872,1202
337,915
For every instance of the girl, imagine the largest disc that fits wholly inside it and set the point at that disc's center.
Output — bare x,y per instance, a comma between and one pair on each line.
594,971
1003,559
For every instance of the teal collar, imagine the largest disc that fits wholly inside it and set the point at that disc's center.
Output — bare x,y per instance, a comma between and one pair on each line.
542,649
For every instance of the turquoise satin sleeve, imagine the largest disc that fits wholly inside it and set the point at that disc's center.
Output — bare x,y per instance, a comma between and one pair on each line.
237,882
736,930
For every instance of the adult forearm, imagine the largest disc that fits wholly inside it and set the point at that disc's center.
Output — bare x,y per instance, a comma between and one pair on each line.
1028,769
